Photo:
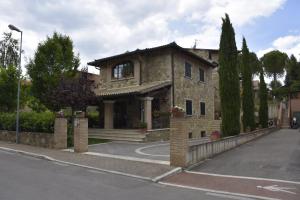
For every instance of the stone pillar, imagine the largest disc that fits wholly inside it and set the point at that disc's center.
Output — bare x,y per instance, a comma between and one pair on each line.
60,133
80,134
108,114
148,111
178,141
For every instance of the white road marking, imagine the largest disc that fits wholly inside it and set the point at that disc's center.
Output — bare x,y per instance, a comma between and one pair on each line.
61,164
129,158
173,171
139,150
95,171
6,152
218,191
243,177
276,188
228,196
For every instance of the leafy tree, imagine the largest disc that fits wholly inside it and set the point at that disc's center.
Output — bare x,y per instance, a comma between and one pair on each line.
9,51
8,88
53,59
247,94
263,102
293,71
75,92
274,63
254,63
229,80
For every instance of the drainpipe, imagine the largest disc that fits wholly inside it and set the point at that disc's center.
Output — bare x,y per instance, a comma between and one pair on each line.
172,69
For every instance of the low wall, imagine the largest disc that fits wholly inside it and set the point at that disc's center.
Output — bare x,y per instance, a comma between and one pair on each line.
157,135
35,139
199,152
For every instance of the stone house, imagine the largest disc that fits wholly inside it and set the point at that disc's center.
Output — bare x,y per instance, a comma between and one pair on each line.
140,87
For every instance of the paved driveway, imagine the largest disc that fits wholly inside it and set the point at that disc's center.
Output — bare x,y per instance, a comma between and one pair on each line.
273,156
152,151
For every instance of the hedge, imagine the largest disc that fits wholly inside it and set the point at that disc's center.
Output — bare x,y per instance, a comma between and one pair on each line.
29,122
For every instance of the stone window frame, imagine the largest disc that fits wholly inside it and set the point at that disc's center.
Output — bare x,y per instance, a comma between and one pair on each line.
185,71
204,75
118,65
203,133
200,110
185,101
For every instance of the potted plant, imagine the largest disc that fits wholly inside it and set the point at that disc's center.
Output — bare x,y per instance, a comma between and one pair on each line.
177,111
215,135
143,127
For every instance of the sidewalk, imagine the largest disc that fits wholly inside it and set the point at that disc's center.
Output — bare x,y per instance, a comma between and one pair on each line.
137,169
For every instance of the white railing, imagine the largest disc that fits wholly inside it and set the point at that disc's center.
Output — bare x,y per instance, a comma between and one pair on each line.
199,152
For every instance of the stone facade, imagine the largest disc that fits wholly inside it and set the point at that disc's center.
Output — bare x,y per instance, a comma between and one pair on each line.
60,133
192,89
166,63
81,135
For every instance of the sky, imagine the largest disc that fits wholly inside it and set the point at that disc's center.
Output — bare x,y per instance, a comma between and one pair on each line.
102,28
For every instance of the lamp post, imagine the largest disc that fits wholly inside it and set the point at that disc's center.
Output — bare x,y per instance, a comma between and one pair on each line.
13,28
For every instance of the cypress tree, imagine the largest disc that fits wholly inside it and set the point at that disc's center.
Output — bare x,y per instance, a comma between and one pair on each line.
263,102
229,80
247,94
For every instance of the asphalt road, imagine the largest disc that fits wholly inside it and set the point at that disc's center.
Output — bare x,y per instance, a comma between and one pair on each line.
28,178
275,156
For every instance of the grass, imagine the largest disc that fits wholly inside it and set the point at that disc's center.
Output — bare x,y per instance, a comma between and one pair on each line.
97,141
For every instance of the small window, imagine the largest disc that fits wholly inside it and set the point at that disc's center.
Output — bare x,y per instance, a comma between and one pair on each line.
209,55
188,70
189,107
201,75
202,108
203,133
123,70
190,135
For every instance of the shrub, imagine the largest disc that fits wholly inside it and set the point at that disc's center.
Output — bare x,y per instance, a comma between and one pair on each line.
93,118
29,121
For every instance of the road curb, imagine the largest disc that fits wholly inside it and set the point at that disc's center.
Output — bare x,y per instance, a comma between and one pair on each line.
167,174
48,158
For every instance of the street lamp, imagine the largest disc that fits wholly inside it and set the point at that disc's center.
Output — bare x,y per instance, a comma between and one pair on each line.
13,28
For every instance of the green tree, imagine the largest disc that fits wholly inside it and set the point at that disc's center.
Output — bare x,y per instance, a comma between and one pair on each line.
229,80
254,63
293,71
263,102
247,90
8,88
274,63
53,59
9,51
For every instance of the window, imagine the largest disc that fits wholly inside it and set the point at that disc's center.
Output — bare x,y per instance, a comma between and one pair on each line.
203,133
188,107
209,55
202,108
188,70
123,70
201,75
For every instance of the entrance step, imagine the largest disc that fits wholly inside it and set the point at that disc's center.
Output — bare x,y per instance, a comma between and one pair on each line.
132,135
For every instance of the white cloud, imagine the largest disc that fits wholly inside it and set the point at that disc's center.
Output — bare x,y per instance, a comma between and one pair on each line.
102,28
289,44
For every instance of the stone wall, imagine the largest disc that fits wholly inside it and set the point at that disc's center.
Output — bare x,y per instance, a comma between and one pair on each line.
158,135
192,89
57,140
35,139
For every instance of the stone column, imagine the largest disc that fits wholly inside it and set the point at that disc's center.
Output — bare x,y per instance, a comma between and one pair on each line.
148,111
108,114
178,141
60,133
80,134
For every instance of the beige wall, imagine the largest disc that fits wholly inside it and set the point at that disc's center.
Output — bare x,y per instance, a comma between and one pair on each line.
192,89
295,104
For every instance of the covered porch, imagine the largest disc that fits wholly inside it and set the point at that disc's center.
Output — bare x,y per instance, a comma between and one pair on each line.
136,107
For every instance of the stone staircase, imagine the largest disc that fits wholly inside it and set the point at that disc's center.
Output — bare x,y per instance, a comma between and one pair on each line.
132,135
285,120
